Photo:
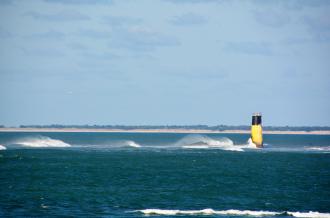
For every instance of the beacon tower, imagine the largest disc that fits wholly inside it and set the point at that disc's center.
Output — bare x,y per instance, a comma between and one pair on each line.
256,130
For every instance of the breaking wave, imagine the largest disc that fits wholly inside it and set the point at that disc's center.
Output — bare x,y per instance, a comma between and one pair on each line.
310,214
127,143
202,141
41,142
317,148
232,212
117,144
187,142
250,143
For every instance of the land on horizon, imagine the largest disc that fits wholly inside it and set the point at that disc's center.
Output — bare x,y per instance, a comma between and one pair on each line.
242,129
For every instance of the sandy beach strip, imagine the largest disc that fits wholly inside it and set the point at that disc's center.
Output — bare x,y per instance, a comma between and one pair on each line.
201,131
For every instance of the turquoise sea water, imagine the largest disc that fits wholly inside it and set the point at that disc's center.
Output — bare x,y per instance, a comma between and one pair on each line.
165,175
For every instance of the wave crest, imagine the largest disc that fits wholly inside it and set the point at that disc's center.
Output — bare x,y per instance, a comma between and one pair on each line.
42,142
203,141
2,147
309,214
318,148
207,212
232,212
131,144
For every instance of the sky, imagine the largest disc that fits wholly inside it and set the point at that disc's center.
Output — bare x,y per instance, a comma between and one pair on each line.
164,62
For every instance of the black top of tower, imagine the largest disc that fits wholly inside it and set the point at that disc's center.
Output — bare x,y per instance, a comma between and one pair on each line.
256,119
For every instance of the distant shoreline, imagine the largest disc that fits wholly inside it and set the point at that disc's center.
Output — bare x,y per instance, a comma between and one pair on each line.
201,131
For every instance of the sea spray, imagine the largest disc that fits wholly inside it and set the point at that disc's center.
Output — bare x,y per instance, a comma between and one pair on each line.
250,143
187,142
41,142
309,214
231,212
317,148
130,143
198,141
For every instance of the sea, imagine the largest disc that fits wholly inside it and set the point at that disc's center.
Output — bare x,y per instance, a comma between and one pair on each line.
95,174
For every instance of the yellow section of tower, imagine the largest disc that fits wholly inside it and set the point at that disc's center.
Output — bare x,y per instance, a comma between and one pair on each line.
256,135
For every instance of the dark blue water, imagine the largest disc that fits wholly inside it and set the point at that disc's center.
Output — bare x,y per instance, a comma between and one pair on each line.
123,174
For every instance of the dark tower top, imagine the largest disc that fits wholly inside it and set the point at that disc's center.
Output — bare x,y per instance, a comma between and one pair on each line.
256,119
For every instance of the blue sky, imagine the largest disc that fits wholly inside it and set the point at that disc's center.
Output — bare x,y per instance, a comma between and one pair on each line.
164,62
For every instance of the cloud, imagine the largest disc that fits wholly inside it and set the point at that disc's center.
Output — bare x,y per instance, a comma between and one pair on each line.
6,2
318,26
135,38
4,34
319,23
121,21
188,19
271,18
251,48
297,41
200,73
141,39
318,30
192,1
94,34
314,3
48,35
43,52
104,56
90,2
293,4
59,16
77,46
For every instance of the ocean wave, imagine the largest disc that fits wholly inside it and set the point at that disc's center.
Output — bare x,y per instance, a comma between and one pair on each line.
205,142
41,142
191,141
206,212
309,214
297,149
129,143
202,141
232,212
318,148
250,143
117,144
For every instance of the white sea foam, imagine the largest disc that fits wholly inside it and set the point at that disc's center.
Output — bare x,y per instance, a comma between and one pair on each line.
132,144
2,147
203,142
251,144
232,212
108,145
318,148
309,214
196,146
41,142
207,212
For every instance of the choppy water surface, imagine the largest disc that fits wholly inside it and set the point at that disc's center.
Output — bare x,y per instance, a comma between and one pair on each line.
165,175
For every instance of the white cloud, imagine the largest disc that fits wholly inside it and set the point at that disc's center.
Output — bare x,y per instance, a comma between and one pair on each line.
59,16
272,18
188,19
